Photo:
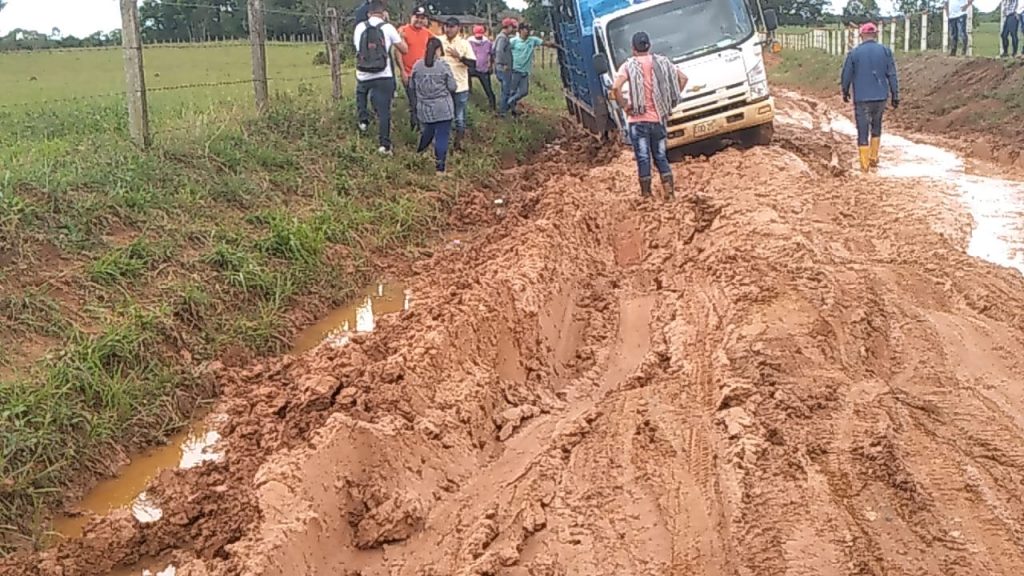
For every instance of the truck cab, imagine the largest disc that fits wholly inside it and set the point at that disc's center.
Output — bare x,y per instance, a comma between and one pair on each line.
714,42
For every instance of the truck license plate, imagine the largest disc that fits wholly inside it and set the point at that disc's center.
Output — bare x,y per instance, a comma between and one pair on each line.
704,127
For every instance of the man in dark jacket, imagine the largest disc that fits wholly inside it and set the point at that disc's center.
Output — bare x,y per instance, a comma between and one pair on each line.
871,71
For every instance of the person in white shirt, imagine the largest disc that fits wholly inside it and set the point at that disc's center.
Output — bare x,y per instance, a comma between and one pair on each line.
374,79
957,12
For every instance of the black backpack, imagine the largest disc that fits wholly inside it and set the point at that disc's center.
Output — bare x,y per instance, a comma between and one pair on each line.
373,50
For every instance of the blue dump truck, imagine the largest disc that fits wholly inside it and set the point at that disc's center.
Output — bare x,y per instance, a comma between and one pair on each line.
714,42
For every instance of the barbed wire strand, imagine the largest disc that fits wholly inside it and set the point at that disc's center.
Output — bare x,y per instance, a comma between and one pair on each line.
191,86
169,45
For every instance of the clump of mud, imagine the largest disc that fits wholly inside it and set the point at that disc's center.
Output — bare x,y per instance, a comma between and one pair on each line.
778,373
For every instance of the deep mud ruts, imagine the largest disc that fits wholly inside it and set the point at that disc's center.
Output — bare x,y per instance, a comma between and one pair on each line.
795,373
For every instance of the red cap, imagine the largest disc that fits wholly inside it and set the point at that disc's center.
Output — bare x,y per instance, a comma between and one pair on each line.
868,28
479,30
508,22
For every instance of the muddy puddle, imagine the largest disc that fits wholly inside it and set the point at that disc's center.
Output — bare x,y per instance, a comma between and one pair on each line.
194,445
996,205
360,315
186,449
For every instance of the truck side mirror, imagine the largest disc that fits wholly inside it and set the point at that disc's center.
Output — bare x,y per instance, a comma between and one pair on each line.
601,63
771,20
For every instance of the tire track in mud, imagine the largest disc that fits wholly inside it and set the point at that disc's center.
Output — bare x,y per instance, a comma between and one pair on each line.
797,372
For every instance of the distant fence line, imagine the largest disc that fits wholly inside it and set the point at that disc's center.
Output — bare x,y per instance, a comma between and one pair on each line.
135,91
837,41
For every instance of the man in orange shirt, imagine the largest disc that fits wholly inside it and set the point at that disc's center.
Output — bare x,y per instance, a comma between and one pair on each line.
416,34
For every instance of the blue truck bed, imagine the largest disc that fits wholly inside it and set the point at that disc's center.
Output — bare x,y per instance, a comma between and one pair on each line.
573,23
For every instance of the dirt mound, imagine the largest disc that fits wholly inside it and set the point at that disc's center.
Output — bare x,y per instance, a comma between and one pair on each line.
790,373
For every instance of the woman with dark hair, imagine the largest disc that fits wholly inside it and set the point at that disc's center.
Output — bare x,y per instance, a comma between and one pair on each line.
434,83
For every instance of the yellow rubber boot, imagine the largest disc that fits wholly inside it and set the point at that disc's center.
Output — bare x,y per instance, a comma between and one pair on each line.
873,149
865,158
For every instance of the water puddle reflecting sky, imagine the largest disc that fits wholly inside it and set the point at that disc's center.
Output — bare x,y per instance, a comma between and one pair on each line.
996,205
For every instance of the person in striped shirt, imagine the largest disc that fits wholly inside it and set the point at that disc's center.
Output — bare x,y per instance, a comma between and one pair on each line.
655,86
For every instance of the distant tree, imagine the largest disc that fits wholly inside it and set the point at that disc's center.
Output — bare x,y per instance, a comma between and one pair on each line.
797,12
55,33
860,11
2,5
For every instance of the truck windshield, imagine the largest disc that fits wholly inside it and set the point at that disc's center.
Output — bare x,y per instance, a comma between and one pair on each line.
682,28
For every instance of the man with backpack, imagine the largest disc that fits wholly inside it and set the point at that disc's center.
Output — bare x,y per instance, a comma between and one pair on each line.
375,81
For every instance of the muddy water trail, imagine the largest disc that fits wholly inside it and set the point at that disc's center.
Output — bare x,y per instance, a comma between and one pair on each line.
996,205
195,445
357,316
184,450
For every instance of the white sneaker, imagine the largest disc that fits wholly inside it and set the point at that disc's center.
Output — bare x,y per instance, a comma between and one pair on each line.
385,151
363,126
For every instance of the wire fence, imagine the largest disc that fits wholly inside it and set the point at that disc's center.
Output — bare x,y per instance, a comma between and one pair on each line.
210,73
917,32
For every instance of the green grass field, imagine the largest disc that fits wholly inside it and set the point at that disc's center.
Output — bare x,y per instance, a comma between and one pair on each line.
121,270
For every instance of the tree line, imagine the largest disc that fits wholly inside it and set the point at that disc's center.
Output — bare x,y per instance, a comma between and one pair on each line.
207,20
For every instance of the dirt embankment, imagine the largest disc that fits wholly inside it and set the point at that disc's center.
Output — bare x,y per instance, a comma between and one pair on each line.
973,105
795,373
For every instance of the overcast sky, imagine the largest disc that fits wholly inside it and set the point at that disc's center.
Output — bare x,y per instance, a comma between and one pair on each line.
83,17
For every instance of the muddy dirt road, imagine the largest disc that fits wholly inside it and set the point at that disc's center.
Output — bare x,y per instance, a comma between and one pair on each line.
800,372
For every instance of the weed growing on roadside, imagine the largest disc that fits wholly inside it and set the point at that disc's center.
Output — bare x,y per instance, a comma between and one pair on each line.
204,242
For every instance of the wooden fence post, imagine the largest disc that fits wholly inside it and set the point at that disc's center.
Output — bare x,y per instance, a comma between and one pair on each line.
945,29
134,74
881,32
924,31
970,29
892,35
906,33
335,59
258,40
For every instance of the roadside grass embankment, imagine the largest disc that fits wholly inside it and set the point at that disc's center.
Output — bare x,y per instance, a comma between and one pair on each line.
122,272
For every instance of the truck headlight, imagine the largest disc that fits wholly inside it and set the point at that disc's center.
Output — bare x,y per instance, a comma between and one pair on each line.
759,89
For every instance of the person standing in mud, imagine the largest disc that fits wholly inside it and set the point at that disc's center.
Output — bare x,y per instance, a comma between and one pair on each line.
655,86
871,71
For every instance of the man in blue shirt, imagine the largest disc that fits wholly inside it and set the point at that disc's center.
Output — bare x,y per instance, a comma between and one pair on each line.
871,71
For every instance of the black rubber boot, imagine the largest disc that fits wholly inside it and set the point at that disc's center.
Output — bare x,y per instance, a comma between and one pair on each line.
645,187
457,143
668,186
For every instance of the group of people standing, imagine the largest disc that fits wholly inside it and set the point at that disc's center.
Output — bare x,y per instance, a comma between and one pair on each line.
436,74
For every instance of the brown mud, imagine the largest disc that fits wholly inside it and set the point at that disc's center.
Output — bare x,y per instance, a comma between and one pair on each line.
798,370
971,105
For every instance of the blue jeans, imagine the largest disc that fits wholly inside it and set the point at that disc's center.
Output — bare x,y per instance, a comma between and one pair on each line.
958,31
461,99
650,138
381,91
519,89
869,120
505,78
438,132
1010,33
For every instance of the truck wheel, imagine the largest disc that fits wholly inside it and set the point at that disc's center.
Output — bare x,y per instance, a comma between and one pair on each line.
758,135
